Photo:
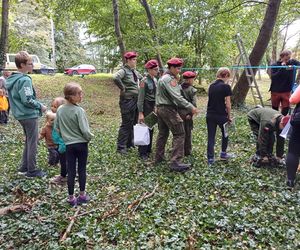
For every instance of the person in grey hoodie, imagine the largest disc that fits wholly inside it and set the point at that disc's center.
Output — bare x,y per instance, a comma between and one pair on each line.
26,109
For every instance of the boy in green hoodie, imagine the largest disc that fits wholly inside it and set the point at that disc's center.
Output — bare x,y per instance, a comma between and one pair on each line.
26,109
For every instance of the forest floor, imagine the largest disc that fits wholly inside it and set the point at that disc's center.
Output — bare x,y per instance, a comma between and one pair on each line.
140,206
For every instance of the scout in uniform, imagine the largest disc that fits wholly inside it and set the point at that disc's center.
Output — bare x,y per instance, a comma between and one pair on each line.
127,80
189,93
265,123
168,100
146,101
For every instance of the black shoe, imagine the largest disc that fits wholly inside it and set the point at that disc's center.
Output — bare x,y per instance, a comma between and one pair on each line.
180,167
22,171
122,151
290,183
144,157
35,173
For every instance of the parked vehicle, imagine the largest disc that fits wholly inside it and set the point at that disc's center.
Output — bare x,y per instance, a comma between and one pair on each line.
82,69
11,66
47,70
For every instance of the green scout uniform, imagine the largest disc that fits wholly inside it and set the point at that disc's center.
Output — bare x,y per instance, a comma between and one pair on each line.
168,100
189,93
127,80
146,104
264,123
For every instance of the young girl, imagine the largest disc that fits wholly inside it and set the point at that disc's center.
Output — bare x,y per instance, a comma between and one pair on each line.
218,113
72,124
62,178
46,133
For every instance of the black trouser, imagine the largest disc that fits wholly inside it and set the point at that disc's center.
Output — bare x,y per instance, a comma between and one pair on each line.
292,160
77,152
55,157
129,115
3,117
212,122
148,108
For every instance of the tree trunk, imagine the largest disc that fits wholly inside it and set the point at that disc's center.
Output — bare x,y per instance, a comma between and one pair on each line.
118,33
145,4
241,88
4,32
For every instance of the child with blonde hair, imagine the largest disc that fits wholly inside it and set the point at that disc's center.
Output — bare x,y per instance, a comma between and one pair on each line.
62,178
46,133
72,124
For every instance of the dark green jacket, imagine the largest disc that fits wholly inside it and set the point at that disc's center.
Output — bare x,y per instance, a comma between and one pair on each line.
168,93
124,79
268,120
147,91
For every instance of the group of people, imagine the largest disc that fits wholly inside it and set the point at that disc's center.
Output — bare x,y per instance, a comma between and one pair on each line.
175,105
67,131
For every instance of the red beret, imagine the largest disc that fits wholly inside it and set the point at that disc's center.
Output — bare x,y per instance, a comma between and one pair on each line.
175,62
130,54
189,74
151,64
285,119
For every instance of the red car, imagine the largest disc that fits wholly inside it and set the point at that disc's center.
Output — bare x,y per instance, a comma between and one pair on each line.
82,69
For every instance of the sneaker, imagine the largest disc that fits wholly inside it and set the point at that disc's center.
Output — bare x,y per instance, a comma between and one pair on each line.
81,199
72,202
144,157
226,156
22,171
59,180
290,184
210,161
35,173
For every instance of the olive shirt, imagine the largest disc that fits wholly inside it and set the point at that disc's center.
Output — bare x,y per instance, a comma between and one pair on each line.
147,91
127,80
268,120
189,93
168,93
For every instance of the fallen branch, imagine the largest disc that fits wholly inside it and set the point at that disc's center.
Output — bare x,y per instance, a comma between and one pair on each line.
68,230
15,209
82,214
109,213
135,204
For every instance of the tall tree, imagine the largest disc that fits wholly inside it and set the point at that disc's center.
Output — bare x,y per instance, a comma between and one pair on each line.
152,26
241,88
118,32
4,32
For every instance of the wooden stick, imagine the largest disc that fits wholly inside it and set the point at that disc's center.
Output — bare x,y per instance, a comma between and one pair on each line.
138,202
15,209
68,230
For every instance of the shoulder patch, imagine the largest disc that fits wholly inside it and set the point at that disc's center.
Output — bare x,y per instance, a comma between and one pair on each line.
173,83
142,84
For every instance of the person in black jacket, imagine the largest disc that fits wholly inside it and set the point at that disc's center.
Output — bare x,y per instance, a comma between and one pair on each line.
282,80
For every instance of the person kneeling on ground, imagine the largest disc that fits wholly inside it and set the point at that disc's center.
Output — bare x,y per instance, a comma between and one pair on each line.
265,123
